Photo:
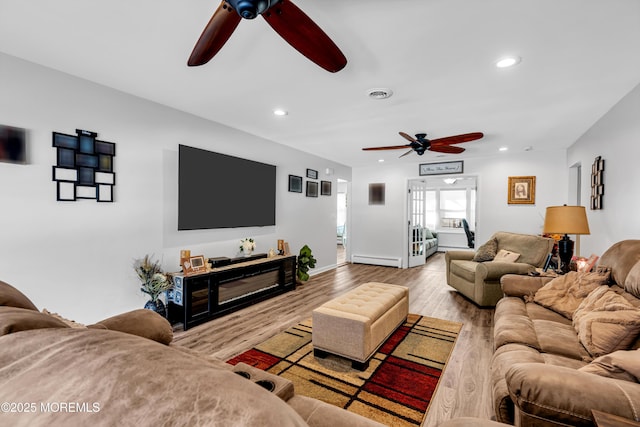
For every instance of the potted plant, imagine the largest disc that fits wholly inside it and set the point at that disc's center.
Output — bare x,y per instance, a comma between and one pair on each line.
247,246
154,283
305,262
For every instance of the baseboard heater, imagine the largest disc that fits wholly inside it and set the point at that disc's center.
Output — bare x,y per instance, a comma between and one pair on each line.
377,260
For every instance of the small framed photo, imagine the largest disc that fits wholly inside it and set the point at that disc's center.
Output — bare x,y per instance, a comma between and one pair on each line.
313,174
522,190
295,184
194,264
325,188
312,189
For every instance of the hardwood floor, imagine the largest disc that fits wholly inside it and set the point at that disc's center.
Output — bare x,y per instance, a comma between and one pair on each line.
465,388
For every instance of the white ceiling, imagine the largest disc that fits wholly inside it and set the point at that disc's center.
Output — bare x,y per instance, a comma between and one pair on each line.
579,57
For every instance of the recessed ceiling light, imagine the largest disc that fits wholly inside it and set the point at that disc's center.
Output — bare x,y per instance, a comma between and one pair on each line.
380,93
380,160
503,148
508,61
280,112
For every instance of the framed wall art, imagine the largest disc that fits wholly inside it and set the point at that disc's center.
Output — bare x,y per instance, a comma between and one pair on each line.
312,189
522,190
295,184
377,194
441,168
597,183
313,174
325,188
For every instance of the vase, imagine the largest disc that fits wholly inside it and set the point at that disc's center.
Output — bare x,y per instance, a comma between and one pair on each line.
157,306
247,253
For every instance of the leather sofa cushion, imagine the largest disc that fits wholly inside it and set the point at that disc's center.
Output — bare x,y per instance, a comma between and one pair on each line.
141,322
11,297
559,339
14,319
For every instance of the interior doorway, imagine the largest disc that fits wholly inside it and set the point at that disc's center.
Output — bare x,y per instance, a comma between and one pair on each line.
439,204
342,222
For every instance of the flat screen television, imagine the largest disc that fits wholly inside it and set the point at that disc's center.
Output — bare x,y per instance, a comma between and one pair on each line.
221,191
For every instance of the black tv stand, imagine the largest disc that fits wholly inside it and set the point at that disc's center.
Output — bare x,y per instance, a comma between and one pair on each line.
200,297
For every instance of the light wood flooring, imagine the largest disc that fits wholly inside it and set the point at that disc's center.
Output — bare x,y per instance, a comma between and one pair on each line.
464,389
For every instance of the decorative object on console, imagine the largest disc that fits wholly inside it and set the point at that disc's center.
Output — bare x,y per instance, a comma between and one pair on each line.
84,168
295,184
305,262
597,183
522,190
194,264
247,246
566,220
154,283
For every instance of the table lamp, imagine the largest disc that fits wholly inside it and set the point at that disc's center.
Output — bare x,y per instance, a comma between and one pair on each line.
566,220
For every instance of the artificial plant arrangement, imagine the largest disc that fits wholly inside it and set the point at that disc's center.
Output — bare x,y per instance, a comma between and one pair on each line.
305,262
154,282
247,246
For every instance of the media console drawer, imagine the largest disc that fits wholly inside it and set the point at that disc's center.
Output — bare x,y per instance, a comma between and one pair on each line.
202,297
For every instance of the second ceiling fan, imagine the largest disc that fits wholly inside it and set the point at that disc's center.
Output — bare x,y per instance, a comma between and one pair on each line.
285,18
420,144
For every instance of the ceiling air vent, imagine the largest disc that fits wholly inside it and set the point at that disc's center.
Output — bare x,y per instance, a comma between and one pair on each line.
379,93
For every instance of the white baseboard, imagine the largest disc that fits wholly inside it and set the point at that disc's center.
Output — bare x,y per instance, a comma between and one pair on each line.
377,260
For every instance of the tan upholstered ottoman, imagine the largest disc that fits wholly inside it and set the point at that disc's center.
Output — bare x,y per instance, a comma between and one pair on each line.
355,324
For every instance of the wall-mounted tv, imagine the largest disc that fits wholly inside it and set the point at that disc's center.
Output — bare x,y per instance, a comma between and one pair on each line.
221,191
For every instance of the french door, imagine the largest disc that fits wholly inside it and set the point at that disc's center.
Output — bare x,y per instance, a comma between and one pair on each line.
416,223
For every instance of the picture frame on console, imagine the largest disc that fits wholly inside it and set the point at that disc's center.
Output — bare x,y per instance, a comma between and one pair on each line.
194,264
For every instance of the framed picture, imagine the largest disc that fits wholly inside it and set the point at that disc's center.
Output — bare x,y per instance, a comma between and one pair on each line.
194,264
295,184
312,189
377,194
313,174
441,168
325,188
522,190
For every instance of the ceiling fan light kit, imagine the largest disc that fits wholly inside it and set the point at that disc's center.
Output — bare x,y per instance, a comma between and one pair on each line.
286,19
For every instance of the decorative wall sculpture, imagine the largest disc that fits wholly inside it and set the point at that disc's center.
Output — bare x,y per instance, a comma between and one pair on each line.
84,168
597,183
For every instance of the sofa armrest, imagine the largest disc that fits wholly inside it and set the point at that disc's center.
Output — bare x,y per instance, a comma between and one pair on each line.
463,255
514,285
143,323
494,270
565,396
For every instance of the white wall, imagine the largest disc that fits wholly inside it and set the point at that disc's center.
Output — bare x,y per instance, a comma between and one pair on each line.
381,230
615,137
75,257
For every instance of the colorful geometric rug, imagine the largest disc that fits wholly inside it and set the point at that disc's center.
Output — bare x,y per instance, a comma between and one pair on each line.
395,390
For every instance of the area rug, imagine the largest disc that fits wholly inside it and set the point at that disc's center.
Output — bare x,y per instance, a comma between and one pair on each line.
395,390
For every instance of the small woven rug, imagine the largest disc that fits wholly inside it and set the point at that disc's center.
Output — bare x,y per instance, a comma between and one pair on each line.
395,390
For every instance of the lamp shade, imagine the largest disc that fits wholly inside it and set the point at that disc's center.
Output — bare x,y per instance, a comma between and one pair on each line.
566,220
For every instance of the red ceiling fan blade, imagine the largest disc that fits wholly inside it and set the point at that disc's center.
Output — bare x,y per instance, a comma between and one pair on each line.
458,139
305,36
390,147
407,153
446,149
407,137
222,24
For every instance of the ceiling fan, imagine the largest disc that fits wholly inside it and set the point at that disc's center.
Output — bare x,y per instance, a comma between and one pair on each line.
420,143
285,18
